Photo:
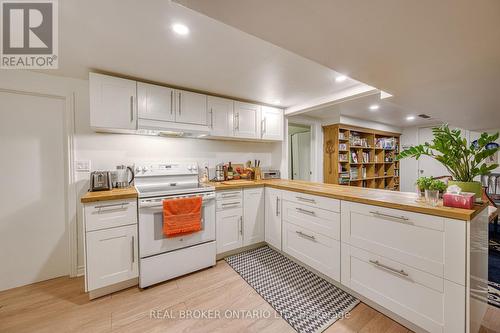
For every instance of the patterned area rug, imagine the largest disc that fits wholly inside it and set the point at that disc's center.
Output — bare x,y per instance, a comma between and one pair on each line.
494,273
307,302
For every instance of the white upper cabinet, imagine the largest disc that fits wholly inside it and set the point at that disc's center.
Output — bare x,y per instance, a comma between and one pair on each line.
247,120
272,123
155,102
190,107
220,116
112,102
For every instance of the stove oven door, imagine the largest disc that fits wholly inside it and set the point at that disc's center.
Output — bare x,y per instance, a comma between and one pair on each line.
151,238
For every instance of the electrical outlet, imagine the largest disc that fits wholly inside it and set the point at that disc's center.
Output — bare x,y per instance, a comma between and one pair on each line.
82,166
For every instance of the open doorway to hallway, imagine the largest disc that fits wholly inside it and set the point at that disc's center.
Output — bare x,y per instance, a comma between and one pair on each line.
299,149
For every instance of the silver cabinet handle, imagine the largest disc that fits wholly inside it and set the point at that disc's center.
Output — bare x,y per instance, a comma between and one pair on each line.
305,211
237,116
211,118
263,126
171,101
131,108
230,203
306,199
394,270
180,103
300,233
230,196
241,225
403,218
133,249
118,206
277,203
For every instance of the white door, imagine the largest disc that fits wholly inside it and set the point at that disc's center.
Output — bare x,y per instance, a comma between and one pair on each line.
273,217
301,156
191,108
428,166
253,215
112,102
246,120
155,102
229,230
33,228
220,111
272,123
111,256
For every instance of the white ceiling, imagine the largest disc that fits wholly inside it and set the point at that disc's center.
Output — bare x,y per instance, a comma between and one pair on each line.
387,113
436,57
134,38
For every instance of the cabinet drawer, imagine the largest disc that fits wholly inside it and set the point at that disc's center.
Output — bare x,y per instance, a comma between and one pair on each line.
417,240
109,214
313,249
316,219
312,200
417,296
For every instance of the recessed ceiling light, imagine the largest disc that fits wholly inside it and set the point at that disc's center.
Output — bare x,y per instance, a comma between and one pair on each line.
410,118
374,107
340,78
276,101
180,29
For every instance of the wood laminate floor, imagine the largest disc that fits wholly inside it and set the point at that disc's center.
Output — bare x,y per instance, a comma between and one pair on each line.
60,305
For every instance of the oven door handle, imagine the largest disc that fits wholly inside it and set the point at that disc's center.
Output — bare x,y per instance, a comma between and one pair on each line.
159,204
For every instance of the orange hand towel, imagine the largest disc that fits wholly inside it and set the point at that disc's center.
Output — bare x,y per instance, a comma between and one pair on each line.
181,216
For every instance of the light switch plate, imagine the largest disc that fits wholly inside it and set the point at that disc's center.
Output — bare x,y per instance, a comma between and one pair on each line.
82,166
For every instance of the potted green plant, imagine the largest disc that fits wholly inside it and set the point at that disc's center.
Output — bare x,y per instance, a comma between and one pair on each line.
432,193
422,185
463,161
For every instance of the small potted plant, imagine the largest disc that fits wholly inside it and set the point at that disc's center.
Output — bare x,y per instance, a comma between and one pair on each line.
435,190
463,161
422,185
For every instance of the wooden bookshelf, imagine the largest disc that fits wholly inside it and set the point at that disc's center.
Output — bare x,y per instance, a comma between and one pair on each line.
356,156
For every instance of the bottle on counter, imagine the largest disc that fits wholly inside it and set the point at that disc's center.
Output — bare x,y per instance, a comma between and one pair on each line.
230,172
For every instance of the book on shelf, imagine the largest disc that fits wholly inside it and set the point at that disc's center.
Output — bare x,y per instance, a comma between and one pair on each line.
342,146
343,157
354,157
341,136
366,157
363,172
354,174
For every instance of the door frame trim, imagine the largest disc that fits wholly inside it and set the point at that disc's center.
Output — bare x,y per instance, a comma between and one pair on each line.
70,210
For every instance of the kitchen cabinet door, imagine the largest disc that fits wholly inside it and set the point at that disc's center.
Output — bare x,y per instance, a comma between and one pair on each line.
191,108
155,102
253,215
273,217
220,112
112,256
247,120
272,123
229,230
113,103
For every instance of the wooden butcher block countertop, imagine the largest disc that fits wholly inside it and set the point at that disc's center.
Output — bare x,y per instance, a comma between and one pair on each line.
114,194
390,199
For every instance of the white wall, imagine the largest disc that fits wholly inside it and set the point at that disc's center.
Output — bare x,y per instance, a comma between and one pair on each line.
105,151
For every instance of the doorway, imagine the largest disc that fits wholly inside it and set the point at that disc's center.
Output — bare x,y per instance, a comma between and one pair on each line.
299,141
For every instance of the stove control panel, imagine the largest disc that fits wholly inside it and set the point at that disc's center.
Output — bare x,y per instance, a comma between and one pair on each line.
165,169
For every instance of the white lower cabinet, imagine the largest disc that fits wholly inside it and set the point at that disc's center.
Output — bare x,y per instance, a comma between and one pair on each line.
273,217
313,249
111,246
229,230
111,256
253,215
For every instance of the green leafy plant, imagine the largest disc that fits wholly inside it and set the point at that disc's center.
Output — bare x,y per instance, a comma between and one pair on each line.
463,161
437,185
423,183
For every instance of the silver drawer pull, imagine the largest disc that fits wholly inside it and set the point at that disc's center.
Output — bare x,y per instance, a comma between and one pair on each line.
112,206
230,203
397,271
305,211
300,233
306,199
225,196
403,218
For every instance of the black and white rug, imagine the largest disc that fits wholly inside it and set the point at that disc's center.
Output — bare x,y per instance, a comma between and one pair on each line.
307,302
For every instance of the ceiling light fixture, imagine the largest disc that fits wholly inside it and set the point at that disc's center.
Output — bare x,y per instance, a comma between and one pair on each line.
410,118
374,107
340,78
276,101
180,29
